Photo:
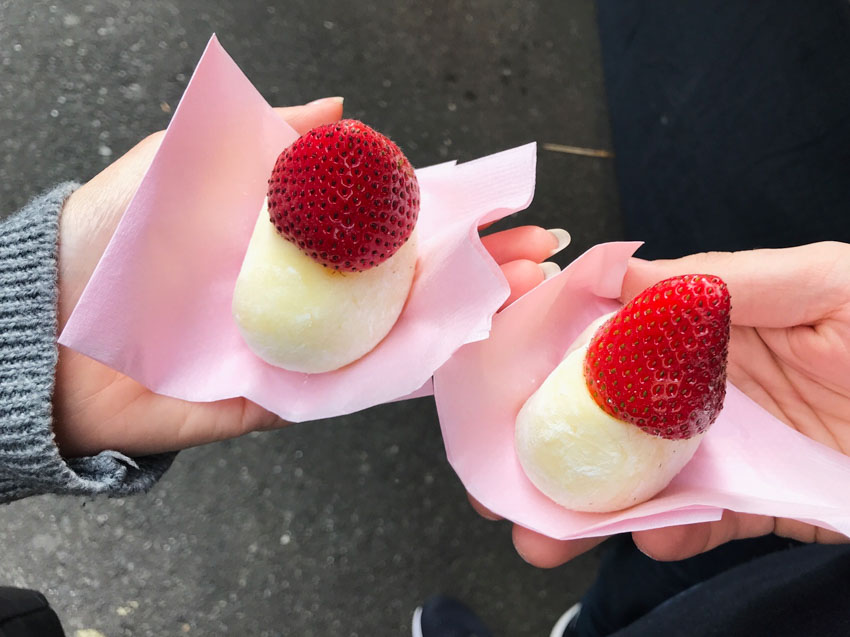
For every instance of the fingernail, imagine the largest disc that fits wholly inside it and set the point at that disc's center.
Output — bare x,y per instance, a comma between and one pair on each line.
563,238
332,100
549,269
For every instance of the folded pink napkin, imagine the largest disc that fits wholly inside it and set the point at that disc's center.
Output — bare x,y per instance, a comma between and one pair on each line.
158,305
748,462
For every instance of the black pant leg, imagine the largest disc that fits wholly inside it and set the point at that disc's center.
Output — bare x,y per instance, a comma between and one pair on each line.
629,584
800,592
731,127
730,121
25,613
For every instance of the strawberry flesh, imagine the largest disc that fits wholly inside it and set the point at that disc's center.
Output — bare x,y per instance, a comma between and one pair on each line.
345,195
660,362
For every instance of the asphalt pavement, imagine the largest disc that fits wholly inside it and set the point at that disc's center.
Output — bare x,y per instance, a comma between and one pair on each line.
336,527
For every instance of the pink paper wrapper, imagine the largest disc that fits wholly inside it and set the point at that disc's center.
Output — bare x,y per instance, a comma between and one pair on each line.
748,462
158,305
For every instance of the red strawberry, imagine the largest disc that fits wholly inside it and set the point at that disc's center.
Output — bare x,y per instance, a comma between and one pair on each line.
345,195
660,362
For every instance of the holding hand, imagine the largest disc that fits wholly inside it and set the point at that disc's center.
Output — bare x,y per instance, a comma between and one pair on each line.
97,408
789,351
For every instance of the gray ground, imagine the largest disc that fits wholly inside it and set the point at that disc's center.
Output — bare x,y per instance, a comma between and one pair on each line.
326,528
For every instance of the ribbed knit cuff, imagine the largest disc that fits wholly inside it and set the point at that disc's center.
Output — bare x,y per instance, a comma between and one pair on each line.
30,463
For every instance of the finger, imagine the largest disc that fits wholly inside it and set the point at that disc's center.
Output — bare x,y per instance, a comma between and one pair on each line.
544,552
681,542
202,423
803,532
524,275
481,510
308,116
769,288
675,542
526,242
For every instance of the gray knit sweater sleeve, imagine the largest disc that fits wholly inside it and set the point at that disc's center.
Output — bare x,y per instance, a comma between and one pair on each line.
30,463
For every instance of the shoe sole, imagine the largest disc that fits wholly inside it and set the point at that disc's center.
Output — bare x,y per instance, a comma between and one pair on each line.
561,625
416,625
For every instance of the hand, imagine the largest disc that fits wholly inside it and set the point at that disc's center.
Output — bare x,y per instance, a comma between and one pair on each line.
97,408
789,351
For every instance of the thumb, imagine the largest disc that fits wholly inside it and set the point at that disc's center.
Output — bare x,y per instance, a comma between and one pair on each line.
308,116
769,288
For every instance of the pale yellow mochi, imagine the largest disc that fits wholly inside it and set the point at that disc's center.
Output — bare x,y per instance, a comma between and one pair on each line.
299,315
583,458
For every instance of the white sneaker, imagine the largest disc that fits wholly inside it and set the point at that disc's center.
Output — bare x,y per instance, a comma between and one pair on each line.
565,620
442,616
